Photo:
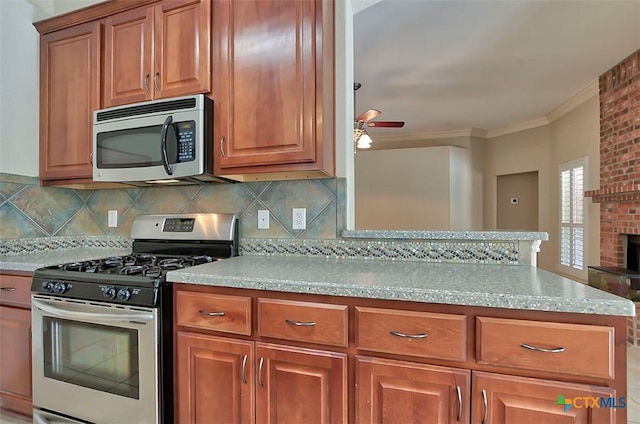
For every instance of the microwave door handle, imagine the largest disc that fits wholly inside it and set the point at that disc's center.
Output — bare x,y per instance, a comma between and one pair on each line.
163,136
56,311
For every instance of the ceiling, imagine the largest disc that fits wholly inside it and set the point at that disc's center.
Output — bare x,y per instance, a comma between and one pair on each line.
446,66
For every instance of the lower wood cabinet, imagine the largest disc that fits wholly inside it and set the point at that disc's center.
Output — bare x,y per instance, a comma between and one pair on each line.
505,399
246,356
389,391
15,343
225,380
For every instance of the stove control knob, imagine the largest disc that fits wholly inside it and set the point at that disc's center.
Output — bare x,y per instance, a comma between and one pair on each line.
47,286
60,287
124,294
110,292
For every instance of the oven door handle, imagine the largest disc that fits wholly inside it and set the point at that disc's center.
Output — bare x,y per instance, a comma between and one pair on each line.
95,316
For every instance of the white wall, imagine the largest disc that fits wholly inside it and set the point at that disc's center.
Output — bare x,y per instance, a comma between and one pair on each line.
425,188
19,88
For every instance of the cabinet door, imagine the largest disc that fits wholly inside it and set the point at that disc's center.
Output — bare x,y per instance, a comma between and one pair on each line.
504,399
296,385
267,84
128,75
182,53
390,391
215,380
15,359
69,93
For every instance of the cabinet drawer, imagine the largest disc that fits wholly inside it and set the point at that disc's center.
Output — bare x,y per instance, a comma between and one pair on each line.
303,321
424,334
573,349
230,314
15,290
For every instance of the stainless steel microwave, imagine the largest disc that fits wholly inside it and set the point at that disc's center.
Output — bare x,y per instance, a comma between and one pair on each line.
161,141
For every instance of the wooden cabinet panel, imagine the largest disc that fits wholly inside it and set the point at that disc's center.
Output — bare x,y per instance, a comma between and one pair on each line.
182,48
215,379
15,359
69,93
421,334
300,385
157,52
15,290
230,314
303,321
570,349
390,391
127,57
510,399
272,85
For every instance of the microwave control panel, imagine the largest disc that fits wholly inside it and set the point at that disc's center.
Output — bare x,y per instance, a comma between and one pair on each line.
186,138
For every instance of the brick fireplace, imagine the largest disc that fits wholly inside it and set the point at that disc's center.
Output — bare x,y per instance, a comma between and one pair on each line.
619,192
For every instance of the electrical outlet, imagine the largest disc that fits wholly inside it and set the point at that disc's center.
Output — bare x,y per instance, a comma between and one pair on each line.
112,218
263,219
299,218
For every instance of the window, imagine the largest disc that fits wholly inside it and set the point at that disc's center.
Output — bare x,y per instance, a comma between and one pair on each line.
572,217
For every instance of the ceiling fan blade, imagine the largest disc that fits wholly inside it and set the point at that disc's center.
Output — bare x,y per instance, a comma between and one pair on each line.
387,124
368,115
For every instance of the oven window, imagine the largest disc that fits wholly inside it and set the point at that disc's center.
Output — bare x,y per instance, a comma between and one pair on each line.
100,357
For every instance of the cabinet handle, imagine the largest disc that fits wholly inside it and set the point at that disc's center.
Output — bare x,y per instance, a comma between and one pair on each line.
155,81
408,336
146,83
222,146
7,289
485,407
260,382
300,323
459,393
91,158
542,349
244,369
212,314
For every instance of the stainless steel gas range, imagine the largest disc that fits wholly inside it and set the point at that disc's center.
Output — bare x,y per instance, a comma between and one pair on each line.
102,344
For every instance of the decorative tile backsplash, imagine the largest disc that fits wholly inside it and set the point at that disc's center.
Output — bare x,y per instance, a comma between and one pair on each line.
28,210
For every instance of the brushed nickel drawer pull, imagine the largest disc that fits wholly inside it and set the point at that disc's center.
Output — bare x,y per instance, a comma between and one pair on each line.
7,289
222,146
244,369
459,393
146,83
211,314
542,349
260,382
155,81
408,336
485,406
300,323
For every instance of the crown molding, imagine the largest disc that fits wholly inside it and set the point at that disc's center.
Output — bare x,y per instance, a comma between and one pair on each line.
587,92
522,126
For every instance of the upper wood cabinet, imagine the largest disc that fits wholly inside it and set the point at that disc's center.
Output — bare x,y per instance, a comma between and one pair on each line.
157,52
273,84
69,92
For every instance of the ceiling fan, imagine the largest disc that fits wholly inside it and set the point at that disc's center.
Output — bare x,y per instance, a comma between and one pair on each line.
360,136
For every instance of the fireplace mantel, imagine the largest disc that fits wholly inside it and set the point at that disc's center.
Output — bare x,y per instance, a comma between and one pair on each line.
615,193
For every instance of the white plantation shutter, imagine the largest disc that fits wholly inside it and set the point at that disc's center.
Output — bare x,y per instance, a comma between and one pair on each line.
572,219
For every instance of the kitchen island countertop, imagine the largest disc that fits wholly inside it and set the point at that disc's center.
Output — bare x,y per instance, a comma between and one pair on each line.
521,287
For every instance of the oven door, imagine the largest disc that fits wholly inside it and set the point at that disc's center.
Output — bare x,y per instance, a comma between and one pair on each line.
95,361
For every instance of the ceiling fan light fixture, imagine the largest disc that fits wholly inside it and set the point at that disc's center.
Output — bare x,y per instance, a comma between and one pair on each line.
364,141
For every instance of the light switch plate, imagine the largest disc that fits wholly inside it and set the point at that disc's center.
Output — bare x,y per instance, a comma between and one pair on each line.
263,219
112,218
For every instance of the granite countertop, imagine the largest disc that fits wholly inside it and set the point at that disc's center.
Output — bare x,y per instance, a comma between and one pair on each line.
32,261
501,286
493,235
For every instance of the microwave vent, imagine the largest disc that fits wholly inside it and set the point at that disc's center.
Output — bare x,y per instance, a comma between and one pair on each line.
154,107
